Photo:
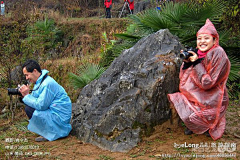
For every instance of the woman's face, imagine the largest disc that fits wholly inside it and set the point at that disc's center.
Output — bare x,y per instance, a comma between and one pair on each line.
205,42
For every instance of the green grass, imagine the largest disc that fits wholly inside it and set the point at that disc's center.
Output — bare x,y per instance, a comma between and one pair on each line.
160,141
104,157
15,143
82,18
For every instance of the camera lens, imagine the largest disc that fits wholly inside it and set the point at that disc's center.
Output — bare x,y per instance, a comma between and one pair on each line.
184,55
14,91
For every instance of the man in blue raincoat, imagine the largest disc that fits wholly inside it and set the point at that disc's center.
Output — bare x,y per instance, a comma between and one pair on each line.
48,106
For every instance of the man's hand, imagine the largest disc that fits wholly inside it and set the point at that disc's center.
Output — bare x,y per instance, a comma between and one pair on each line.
24,89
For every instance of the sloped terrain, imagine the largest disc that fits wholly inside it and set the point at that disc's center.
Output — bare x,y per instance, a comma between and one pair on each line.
167,141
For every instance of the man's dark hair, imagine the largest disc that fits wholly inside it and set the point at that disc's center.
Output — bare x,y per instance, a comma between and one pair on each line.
31,65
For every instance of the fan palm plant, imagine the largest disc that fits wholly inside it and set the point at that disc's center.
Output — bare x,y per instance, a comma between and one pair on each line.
85,74
182,20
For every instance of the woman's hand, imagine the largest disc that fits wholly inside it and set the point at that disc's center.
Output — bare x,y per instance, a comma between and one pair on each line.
194,56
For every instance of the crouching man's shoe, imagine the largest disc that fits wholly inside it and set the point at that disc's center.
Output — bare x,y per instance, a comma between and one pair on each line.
40,139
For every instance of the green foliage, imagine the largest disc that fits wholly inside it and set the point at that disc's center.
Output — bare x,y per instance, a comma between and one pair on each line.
111,49
231,15
43,36
104,157
22,126
85,75
10,51
184,20
233,83
111,53
106,50
235,68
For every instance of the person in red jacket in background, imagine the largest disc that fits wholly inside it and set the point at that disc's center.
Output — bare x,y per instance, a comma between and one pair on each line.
108,6
131,5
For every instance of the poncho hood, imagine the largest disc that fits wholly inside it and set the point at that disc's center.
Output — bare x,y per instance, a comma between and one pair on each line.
209,28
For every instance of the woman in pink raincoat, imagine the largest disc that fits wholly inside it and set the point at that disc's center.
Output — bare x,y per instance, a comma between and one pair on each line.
203,99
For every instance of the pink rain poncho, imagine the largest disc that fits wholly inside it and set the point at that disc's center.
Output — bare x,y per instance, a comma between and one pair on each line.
203,99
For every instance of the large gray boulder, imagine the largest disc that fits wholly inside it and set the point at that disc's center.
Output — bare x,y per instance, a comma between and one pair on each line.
141,6
130,98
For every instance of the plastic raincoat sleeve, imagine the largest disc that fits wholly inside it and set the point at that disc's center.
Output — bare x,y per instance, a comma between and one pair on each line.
214,73
42,102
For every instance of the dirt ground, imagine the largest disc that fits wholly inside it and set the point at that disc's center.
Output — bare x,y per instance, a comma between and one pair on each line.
167,142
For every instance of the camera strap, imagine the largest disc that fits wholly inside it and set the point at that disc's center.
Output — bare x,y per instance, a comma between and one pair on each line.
44,77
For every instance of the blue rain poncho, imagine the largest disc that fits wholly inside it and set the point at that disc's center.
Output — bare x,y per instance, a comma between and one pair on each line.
53,109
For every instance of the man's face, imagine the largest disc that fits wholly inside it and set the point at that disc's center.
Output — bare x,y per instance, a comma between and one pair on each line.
31,76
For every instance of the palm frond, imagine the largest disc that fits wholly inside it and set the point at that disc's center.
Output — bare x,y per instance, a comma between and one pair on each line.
154,20
174,12
235,68
127,37
234,77
198,14
76,81
85,74
224,37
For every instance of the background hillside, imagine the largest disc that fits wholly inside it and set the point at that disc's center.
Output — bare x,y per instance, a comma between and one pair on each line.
71,33
70,8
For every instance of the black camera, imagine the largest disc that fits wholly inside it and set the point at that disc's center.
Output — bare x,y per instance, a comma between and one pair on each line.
185,54
14,91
